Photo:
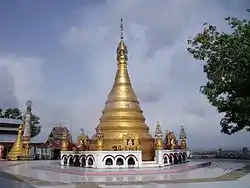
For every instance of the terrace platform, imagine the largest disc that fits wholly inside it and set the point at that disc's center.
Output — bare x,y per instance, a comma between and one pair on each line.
48,174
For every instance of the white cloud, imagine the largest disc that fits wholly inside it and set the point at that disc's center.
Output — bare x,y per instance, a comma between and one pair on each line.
25,74
22,79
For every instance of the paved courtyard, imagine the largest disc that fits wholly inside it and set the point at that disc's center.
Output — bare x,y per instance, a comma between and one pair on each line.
48,174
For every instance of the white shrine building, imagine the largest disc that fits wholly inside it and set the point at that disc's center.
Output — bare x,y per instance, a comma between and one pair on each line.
122,159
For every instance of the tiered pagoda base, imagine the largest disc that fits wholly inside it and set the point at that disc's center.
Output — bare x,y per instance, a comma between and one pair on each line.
121,159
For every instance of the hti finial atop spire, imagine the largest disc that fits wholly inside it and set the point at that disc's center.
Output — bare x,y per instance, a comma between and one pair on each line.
121,28
122,51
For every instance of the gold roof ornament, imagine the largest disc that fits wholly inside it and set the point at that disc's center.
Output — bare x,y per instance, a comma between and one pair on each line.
64,141
158,137
82,136
99,133
122,113
158,131
183,134
64,135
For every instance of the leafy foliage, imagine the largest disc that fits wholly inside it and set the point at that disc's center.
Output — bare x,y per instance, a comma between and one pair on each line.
227,68
15,113
35,125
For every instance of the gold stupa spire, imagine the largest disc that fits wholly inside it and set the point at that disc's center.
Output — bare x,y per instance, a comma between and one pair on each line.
122,118
17,148
122,103
121,26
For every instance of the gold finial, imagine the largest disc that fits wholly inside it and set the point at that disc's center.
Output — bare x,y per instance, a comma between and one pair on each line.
20,129
121,28
122,51
20,132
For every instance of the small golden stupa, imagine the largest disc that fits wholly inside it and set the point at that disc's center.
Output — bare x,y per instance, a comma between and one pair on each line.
17,152
21,148
122,122
17,148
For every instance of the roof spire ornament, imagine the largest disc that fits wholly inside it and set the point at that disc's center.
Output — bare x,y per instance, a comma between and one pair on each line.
158,131
183,138
122,51
121,26
158,137
183,134
64,140
27,121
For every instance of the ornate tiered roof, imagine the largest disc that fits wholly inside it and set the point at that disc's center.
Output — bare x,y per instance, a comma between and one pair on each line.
55,137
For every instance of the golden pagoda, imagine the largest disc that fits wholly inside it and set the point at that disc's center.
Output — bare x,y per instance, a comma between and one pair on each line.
122,121
18,150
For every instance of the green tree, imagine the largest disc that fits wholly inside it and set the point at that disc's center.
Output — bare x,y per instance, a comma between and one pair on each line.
15,113
1,113
8,114
35,125
227,68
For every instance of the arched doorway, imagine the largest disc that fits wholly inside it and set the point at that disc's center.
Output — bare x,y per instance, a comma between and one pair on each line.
90,162
65,161
183,157
131,161
77,161
175,158
109,162
165,160
119,161
83,161
71,161
171,161
180,158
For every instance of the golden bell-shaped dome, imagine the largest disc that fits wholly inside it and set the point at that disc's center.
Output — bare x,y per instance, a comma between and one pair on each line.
122,117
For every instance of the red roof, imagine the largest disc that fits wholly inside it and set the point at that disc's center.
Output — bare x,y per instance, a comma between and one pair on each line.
55,137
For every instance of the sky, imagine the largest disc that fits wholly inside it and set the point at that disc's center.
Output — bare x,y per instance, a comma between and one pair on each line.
62,55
